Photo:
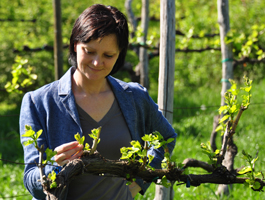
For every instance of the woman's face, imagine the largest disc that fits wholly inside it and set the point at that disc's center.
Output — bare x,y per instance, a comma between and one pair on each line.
96,58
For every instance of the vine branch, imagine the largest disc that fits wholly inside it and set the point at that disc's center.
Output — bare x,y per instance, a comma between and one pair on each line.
98,165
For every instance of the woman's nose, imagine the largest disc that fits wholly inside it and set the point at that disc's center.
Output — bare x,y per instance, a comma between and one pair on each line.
97,61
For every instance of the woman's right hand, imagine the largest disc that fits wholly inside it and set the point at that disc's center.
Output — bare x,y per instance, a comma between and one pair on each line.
68,152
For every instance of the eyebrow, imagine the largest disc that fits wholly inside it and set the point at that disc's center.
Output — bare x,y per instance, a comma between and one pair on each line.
111,52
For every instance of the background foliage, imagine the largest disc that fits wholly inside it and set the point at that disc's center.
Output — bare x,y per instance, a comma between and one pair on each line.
197,78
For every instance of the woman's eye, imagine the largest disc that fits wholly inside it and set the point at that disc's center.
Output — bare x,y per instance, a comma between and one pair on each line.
88,52
108,56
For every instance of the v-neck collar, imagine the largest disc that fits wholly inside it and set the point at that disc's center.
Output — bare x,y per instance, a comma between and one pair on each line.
94,122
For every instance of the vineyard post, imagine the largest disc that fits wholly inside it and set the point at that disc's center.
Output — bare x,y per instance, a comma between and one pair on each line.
58,47
143,56
227,73
166,73
226,49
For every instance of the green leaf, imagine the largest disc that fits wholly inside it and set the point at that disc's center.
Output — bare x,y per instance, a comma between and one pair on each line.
123,150
8,84
82,139
247,89
233,109
256,185
147,138
49,154
223,109
159,136
28,142
28,133
249,43
142,153
136,144
170,140
94,133
53,185
126,152
28,127
44,162
245,170
254,160
33,76
87,147
165,182
157,144
224,118
259,52
163,165
52,175
219,128
246,155
255,34
39,133
217,151
248,181
257,174
79,139
150,158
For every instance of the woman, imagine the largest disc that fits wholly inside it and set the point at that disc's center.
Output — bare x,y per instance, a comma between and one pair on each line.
87,97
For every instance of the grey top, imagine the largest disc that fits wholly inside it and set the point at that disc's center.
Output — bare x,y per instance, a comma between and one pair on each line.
114,135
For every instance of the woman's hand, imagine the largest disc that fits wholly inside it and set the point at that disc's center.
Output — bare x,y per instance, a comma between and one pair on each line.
67,152
134,189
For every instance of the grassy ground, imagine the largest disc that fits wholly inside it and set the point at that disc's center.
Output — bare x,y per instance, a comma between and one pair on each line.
193,126
11,175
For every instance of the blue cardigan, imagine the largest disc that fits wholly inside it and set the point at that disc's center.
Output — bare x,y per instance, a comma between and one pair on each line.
52,108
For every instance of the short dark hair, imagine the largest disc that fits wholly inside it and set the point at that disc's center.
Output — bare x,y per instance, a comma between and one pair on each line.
96,22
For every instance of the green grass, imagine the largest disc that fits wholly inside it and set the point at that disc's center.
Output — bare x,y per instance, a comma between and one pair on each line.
11,175
10,147
193,126
11,178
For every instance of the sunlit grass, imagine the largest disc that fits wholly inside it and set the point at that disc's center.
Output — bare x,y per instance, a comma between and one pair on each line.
11,182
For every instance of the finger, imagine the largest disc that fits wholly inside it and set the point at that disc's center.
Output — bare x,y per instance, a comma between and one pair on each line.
77,155
64,162
66,147
60,159
69,155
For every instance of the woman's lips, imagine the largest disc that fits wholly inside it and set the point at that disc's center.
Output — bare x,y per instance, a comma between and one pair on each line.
94,69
